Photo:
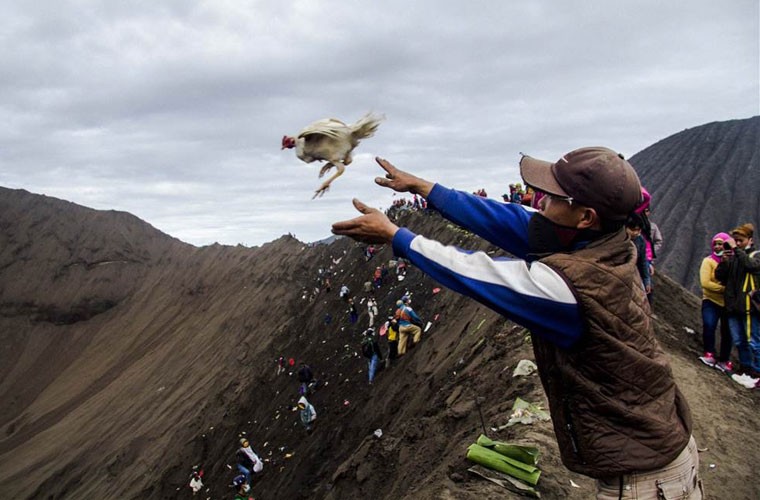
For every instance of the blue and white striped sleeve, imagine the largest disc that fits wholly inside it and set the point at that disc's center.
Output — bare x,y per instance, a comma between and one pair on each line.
503,224
534,295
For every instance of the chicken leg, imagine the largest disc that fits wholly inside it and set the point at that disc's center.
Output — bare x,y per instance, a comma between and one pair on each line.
325,168
326,185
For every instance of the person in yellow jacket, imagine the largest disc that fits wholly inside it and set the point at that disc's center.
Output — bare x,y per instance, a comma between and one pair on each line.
714,310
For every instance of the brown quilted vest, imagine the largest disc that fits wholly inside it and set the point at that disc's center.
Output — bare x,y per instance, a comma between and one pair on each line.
614,404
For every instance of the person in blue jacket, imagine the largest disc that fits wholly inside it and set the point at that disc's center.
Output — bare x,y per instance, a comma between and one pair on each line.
617,412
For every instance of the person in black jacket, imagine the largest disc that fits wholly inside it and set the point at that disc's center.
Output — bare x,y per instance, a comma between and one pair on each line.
633,227
739,271
371,351
306,378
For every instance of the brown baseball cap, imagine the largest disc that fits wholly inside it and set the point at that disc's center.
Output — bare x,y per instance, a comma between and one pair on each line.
595,177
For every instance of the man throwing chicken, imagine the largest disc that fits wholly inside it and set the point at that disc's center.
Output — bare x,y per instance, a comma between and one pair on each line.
617,412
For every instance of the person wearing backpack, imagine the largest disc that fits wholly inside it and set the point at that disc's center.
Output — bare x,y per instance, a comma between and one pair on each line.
739,271
408,324
371,351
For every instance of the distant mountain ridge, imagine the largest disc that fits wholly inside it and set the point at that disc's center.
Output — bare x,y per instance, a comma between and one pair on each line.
703,180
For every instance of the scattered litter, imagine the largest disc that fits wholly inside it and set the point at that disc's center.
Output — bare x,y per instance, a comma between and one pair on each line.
524,412
572,483
689,330
266,443
712,466
427,327
346,402
160,389
524,367
435,318
378,433
211,428
702,450
288,455
229,466
436,290
505,481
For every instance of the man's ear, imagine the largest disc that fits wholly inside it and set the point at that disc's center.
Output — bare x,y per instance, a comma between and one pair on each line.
589,219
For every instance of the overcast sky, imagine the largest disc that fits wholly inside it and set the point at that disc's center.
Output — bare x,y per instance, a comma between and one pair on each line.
174,110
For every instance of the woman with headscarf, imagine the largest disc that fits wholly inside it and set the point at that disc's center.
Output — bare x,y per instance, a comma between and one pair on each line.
713,309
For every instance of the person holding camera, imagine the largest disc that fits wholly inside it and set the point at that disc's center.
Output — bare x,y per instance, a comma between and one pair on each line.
739,271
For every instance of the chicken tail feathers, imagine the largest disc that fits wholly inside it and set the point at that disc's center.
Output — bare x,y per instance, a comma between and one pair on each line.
366,126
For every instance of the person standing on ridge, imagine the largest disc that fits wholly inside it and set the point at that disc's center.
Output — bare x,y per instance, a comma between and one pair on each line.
714,309
739,271
633,227
618,415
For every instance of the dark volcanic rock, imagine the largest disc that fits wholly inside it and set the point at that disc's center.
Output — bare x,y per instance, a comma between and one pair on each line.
703,180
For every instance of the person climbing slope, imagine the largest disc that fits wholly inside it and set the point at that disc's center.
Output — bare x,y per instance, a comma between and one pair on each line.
408,324
248,461
307,413
371,351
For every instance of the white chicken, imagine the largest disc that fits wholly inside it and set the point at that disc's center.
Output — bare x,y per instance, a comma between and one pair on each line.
332,141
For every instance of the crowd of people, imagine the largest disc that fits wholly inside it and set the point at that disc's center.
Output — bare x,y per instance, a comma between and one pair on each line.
618,414
730,280
380,346
588,255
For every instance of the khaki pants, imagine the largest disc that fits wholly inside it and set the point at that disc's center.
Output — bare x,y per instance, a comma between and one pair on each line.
403,337
678,479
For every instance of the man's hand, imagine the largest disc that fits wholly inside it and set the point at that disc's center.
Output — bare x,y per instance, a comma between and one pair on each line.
401,181
372,227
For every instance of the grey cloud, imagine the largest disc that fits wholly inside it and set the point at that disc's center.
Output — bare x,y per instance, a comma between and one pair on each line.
174,111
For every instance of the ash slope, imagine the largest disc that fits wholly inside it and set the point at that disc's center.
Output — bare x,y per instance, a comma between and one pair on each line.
703,180
128,357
